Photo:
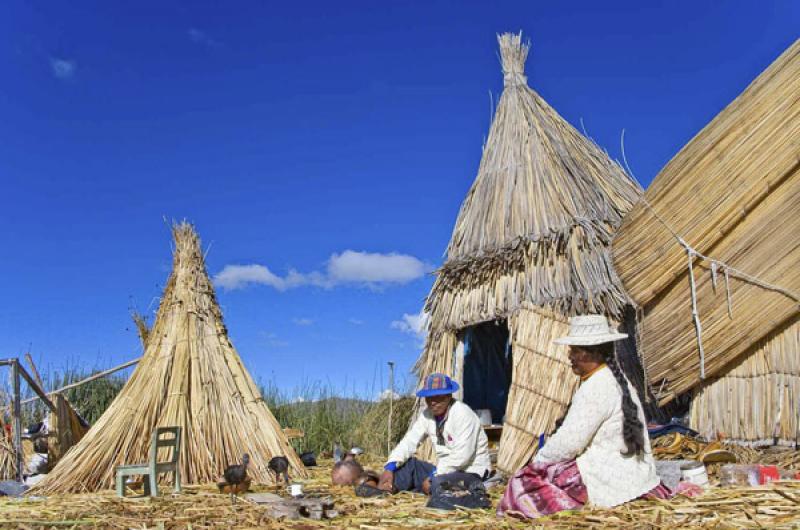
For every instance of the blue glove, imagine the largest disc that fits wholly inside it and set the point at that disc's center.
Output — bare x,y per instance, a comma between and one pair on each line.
391,466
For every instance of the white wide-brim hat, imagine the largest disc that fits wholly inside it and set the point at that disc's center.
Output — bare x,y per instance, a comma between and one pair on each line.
588,330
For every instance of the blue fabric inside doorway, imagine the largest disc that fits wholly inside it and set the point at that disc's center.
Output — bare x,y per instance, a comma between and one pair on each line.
487,367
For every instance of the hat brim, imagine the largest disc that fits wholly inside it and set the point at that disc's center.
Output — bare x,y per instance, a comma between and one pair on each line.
438,391
591,341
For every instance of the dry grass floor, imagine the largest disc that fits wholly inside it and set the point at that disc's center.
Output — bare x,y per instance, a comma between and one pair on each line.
774,506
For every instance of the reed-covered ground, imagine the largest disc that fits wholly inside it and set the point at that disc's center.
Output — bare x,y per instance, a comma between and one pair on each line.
202,508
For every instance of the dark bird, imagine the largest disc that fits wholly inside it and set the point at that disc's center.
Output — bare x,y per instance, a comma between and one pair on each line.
236,479
308,458
280,465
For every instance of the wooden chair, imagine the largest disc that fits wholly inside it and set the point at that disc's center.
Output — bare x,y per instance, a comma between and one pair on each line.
151,469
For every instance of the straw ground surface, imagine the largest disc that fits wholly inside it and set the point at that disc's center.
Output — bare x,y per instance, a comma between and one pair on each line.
733,194
201,508
190,376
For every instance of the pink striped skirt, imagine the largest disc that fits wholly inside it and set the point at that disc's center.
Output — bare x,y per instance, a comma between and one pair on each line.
540,489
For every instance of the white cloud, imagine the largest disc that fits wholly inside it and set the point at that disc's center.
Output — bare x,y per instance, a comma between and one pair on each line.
348,268
240,276
372,268
355,321
273,340
63,68
388,393
302,321
201,37
415,324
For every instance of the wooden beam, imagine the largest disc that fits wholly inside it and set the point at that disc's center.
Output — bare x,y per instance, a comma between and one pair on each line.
89,379
16,413
98,375
35,386
34,371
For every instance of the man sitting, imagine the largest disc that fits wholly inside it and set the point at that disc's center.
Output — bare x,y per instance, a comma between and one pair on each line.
461,447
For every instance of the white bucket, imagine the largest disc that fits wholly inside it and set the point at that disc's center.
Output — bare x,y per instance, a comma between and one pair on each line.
485,415
295,490
695,473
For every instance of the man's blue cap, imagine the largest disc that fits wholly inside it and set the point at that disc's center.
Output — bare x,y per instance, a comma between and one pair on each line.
437,385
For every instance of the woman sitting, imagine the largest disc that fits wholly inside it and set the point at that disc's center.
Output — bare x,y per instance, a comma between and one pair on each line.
601,452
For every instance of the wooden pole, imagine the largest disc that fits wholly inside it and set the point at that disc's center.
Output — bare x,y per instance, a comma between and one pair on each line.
36,388
34,371
391,408
89,379
17,419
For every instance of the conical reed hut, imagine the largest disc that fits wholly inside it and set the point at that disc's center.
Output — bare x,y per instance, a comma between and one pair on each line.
190,376
711,258
530,248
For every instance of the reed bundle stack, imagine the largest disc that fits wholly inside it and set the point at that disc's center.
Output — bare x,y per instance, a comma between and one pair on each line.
732,194
534,231
189,376
65,429
758,401
8,458
542,384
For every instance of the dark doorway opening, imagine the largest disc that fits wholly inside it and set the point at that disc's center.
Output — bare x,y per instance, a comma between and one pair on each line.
487,367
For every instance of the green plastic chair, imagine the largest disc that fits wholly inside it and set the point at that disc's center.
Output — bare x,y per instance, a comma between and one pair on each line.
151,469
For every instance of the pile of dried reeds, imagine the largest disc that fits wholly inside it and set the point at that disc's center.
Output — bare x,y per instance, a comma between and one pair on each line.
758,401
541,388
775,506
65,429
538,220
732,194
190,376
8,459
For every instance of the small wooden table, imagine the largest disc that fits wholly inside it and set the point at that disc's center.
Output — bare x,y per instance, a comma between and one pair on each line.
493,433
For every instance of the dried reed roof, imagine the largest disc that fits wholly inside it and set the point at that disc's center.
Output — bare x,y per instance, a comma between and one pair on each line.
190,376
537,222
732,193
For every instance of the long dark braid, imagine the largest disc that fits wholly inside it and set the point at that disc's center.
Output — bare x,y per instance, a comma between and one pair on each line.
632,427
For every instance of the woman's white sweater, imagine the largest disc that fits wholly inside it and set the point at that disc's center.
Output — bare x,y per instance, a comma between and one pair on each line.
592,432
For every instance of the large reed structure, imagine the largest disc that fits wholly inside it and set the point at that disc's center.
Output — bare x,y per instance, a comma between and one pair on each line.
732,194
530,246
758,401
190,376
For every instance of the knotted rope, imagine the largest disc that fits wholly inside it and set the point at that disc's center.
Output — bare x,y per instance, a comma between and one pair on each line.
715,265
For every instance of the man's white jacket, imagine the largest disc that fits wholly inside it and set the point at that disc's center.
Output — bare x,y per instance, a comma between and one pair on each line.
465,445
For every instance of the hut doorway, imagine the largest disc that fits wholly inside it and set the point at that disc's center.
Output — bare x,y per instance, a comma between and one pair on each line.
487,367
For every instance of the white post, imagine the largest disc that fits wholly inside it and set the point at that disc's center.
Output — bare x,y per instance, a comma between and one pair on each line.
458,368
391,408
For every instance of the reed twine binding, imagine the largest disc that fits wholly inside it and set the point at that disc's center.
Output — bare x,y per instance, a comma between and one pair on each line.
715,264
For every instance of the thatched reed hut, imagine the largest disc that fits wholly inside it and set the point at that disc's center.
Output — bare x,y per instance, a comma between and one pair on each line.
530,247
721,221
190,376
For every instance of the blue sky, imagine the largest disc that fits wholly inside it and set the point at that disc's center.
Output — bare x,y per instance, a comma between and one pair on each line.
335,139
